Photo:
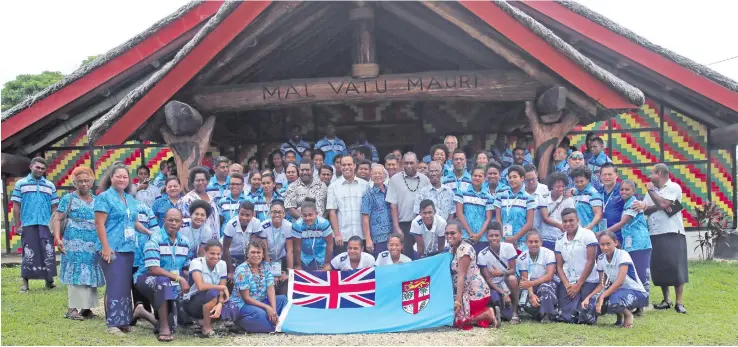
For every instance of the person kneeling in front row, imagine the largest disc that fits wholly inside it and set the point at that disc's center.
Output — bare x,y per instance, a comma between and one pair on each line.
254,306
209,292
393,254
537,266
354,258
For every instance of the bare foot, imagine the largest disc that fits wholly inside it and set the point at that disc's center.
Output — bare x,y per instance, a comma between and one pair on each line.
628,319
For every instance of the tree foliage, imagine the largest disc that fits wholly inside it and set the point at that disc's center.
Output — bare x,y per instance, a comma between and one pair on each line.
24,86
89,59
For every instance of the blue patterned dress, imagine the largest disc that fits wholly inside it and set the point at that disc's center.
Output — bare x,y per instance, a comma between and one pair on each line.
79,265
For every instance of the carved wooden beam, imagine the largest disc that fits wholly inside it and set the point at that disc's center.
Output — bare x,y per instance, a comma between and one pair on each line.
463,22
14,165
547,136
485,85
189,150
365,53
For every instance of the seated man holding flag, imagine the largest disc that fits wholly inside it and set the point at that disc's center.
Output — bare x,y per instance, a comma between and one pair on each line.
354,258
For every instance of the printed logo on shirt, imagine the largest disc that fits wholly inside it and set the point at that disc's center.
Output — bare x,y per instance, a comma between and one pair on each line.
266,224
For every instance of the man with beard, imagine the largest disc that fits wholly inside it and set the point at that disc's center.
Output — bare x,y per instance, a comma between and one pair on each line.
442,196
306,186
401,193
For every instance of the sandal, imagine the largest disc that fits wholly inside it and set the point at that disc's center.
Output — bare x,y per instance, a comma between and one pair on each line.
165,338
87,314
515,320
663,305
208,334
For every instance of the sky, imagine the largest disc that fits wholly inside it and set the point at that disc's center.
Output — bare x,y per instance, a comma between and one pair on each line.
57,35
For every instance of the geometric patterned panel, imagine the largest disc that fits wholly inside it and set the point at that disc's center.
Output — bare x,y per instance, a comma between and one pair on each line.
684,139
76,138
647,116
15,239
723,187
637,174
693,180
577,140
155,156
596,126
104,158
62,162
636,147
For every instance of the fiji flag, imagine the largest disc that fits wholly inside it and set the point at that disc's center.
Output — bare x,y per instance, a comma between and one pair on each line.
400,297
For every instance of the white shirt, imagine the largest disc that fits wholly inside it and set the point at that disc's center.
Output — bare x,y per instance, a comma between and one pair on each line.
385,258
430,235
276,238
346,198
536,269
549,232
660,222
279,177
543,198
219,272
611,269
198,237
399,193
574,253
148,195
343,263
240,238
488,260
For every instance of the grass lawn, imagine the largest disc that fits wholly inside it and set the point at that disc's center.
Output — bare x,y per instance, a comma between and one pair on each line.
36,319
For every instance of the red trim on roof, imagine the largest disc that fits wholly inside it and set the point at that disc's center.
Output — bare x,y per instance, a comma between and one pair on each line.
546,54
112,68
637,53
206,50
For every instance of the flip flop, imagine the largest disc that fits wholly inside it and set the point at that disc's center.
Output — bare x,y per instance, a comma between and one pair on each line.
208,334
165,338
88,314
515,320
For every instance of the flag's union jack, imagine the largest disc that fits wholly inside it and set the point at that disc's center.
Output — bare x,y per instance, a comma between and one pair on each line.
334,289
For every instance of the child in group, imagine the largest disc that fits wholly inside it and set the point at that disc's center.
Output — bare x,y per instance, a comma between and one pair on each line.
537,266
354,258
497,264
428,229
393,254
313,238
237,234
619,291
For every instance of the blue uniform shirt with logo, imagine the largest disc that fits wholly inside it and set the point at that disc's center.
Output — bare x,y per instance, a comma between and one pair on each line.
584,201
147,218
457,184
312,239
228,207
217,190
635,232
290,146
514,209
36,197
612,208
476,204
120,216
161,205
261,208
161,252
331,148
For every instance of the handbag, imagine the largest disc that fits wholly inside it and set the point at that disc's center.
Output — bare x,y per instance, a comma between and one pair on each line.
63,223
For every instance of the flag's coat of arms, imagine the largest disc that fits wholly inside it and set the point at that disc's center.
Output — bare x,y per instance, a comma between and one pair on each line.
415,295
334,289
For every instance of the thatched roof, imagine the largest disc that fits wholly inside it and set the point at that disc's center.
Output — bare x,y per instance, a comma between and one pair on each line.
99,61
103,124
631,93
690,64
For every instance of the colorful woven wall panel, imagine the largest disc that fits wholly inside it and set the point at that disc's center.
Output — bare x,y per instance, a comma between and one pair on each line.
15,245
77,138
155,156
577,140
647,116
693,180
637,174
684,139
596,126
104,158
722,180
640,147
61,163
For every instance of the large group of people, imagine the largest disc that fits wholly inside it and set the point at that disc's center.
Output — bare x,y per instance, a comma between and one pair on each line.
568,251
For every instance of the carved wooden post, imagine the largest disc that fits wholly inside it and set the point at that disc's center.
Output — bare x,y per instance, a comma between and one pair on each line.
187,136
364,53
547,135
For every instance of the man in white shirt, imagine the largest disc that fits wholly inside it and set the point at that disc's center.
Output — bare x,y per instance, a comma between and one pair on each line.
401,192
442,196
669,265
237,235
428,229
539,192
344,204
354,258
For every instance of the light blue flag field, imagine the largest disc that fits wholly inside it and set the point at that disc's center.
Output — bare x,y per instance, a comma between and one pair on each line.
398,297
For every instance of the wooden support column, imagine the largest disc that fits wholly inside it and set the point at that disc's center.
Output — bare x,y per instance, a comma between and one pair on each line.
187,136
364,53
547,136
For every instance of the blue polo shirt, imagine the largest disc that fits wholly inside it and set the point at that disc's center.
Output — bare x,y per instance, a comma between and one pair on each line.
594,181
161,252
147,218
331,148
261,208
160,207
612,208
216,190
290,146
228,208
312,239
476,204
514,209
501,187
635,233
36,197
584,201
457,184
120,216
596,162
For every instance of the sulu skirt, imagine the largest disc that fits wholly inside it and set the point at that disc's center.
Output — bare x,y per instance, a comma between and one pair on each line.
669,259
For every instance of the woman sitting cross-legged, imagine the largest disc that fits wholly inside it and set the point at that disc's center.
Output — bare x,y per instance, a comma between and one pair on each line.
162,279
471,293
620,289
254,306
537,266
209,292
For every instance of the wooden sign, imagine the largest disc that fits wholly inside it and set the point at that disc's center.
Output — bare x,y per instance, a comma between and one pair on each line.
486,85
